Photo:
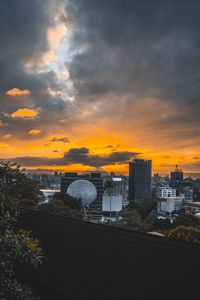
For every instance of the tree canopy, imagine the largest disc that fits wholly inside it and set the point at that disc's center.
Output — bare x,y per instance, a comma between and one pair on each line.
190,233
186,220
139,216
144,208
15,188
133,221
63,204
16,245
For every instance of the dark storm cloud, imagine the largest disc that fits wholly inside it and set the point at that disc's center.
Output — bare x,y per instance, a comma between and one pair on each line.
23,36
151,45
23,26
138,49
119,52
77,156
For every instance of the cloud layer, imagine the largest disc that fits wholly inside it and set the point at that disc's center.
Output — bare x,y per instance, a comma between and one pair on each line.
100,80
77,156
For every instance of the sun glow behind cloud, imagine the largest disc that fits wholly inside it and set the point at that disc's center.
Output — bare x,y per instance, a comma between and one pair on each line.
86,86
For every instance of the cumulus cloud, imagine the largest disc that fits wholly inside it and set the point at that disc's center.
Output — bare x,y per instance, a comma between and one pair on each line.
34,132
17,92
24,113
7,136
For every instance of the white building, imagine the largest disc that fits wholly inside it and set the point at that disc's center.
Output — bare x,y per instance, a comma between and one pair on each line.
165,192
119,187
112,203
169,205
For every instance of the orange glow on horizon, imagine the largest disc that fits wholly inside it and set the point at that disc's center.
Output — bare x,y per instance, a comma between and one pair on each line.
99,141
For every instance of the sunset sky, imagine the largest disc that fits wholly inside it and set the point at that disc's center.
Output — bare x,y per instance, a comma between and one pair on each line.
89,84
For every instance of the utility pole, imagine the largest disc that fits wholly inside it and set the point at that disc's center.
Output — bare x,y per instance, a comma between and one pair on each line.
108,186
110,223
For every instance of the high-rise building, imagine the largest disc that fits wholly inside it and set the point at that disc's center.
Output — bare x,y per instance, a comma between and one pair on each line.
139,180
95,178
177,175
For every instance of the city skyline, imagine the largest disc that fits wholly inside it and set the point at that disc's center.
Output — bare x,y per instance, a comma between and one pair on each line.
89,85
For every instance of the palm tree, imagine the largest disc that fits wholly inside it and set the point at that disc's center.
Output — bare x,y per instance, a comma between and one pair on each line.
108,187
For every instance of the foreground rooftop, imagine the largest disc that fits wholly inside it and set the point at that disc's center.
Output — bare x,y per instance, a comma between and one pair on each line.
91,261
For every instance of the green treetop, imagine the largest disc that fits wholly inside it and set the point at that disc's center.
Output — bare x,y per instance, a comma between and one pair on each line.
15,188
16,245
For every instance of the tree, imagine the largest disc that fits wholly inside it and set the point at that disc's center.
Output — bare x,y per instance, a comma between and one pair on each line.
162,224
139,216
133,221
68,200
190,233
15,245
144,208
186,220
63,204
15,188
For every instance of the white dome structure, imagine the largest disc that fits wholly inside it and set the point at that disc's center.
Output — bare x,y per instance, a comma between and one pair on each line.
84,190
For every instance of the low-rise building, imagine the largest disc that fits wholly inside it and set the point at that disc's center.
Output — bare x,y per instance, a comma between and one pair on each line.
196,194
188,193
169,205
48,194
165,192
112,203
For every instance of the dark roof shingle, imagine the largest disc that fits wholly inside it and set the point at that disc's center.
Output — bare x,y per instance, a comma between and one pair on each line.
90,261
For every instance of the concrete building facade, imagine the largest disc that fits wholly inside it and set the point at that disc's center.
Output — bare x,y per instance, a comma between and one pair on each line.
170,205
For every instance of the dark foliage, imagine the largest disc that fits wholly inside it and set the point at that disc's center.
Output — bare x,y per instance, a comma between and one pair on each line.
64,204
16,245
187,233
162,224
186,220
68,200
15,188
144,208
